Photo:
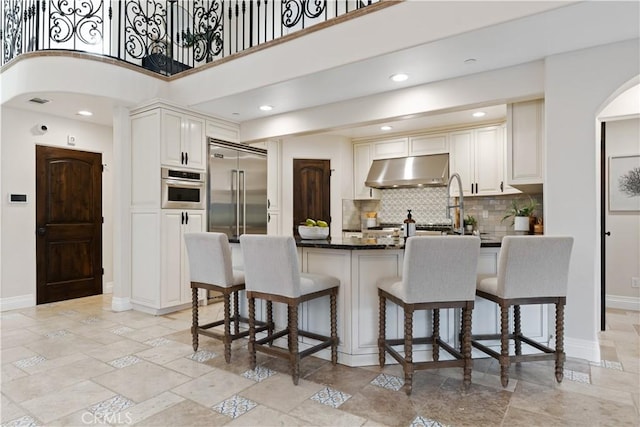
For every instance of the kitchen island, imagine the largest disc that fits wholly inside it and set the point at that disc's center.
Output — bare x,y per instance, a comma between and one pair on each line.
359,263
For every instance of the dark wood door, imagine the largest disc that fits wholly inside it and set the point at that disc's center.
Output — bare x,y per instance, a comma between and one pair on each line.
68,224
311,191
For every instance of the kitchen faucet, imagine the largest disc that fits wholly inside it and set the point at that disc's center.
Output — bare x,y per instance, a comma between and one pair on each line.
460,205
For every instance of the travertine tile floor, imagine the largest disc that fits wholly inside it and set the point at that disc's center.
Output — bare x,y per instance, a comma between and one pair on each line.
77,363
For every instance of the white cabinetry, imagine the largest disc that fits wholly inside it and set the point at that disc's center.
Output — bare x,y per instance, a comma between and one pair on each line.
525,145
390,148
422,145
274,187
477,155
175,286
362,159
162,134
183,140
225,131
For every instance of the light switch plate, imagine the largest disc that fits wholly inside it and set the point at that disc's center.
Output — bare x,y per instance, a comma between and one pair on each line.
71,140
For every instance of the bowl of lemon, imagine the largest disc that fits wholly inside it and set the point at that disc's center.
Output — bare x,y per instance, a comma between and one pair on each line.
313,229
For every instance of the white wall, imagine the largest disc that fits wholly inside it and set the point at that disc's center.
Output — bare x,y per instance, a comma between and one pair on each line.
578,85
623,246
17,168
335,148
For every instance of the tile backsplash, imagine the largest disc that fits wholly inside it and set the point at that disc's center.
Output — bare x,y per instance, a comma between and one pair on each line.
428,206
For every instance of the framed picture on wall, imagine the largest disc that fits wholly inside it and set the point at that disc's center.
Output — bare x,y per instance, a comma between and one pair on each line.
624,183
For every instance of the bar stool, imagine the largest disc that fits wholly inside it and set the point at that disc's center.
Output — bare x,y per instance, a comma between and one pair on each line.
210,268
531,270
438,272
272,274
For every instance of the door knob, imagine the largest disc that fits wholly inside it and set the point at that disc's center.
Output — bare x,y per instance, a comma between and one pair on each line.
41,231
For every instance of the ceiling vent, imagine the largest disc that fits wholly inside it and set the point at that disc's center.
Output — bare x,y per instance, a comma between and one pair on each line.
39,100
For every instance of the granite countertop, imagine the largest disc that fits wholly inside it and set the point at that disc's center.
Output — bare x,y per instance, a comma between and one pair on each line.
356,243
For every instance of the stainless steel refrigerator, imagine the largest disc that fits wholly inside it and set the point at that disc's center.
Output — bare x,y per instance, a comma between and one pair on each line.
237,189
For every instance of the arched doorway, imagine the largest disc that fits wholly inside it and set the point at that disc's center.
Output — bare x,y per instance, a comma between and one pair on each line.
619,124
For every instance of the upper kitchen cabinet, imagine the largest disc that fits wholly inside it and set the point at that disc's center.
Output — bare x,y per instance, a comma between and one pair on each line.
183,140
389,148
362,159
477,155
422,145
525,145
222,130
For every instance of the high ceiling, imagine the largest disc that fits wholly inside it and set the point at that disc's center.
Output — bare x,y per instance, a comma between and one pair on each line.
433,41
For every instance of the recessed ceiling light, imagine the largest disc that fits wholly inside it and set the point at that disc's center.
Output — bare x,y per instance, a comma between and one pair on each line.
479,114
84,113
470,60
266,107
399,77
385,128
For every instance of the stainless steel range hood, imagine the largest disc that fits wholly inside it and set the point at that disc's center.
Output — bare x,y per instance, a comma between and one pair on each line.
417,171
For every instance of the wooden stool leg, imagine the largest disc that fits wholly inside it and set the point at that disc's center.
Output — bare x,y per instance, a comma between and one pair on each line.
252,333
408,350
504,345
466,345
194,318
236,313
517,330
559,342
334,328
293,334
436,335
382,328
227,327
270,325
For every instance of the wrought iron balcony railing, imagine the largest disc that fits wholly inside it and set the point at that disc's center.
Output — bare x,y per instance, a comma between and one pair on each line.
165,36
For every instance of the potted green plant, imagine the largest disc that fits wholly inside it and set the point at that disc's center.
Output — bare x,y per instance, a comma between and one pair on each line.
521,213
470,223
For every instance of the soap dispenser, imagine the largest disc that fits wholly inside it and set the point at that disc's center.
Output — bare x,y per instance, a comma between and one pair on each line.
409,225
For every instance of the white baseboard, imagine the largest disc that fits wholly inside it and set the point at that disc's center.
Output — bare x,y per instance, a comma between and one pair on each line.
582,349
622,302
107,288
20,301
121,304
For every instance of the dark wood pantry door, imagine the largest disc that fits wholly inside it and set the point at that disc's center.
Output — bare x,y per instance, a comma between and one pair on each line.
68,224
311,191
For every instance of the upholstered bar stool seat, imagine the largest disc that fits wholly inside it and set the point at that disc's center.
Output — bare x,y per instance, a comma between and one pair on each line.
272,274
531,270
438,272
210,268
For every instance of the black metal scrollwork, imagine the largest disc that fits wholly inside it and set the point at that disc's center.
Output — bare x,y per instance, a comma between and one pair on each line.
294,10
206,38
81,21
11,31
145,28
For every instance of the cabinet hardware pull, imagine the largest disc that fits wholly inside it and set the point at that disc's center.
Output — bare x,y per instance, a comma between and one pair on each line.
186,218
472,188
186,158
268,203
268,217
608,233
182,157
182,216
476,188
502,186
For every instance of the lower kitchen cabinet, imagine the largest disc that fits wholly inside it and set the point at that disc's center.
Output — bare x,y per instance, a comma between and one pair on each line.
160,279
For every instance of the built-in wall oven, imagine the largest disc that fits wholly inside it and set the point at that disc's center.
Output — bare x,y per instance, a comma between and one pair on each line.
183,189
